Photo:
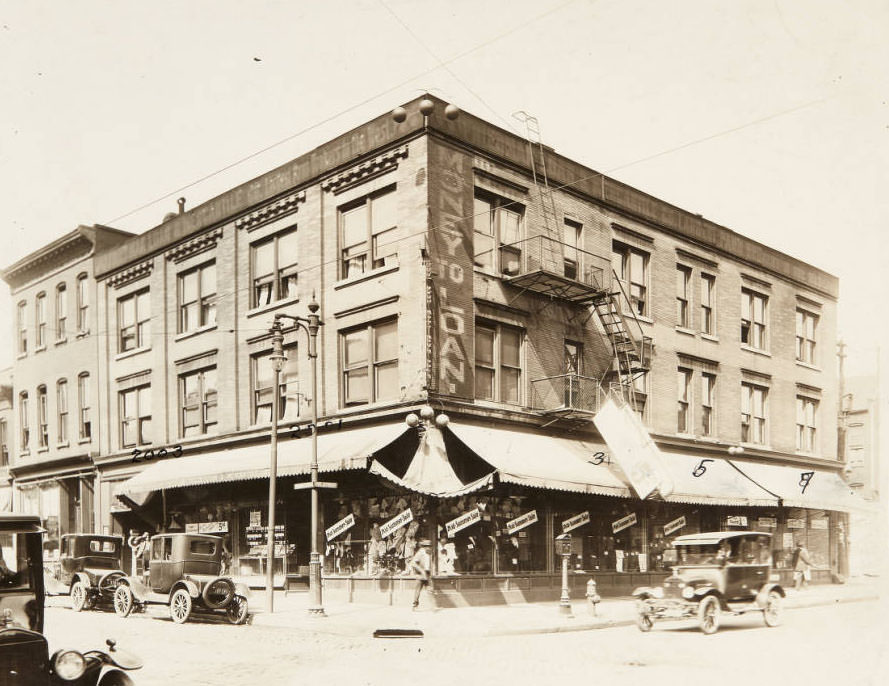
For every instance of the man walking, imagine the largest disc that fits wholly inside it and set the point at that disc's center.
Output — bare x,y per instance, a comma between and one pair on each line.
421,565
801,565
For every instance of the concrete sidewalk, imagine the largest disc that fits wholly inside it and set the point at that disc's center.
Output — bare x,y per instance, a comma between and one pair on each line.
350,619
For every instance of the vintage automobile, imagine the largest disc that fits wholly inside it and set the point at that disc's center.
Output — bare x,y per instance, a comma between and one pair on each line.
88,570
723,571
182,570
24,653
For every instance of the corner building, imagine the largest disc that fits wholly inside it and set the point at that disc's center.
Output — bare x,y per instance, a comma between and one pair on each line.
512,291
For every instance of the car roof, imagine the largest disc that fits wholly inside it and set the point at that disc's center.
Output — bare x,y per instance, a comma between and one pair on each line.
714,537
104,537
178,534
17,522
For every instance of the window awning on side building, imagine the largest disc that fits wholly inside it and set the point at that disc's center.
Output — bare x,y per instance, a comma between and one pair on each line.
712,481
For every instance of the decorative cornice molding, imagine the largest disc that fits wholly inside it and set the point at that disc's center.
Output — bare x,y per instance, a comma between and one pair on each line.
364,171
696,258
630,232
281,207
494,178
130,274
757,282
199,244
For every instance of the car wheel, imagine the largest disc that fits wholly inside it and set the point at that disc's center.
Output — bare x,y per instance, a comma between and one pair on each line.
644,622
180,606
772,611
708,614
123,600
236,612
78,596
218,593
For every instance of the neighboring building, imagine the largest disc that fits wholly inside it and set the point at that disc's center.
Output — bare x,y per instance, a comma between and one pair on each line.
7,426
862,435
450,275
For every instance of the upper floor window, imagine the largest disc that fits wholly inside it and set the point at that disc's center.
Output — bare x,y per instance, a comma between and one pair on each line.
135,416
83,302
370,363
61,311
683,284
640,395
683,420
806,411
631,267
572,239
498,363
368,233
22,326
708,401
708,291
274,261
42,422
197,297
198,401
40,309
263,387
134,321
62,410
24,432
497,234
85,431
753,319
4,444
806,324
753,413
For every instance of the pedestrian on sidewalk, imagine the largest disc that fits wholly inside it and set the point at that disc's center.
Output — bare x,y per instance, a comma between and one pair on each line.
421,565
802,564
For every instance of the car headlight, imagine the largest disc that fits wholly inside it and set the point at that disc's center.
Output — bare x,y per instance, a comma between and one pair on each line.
688,592
657,592
69,665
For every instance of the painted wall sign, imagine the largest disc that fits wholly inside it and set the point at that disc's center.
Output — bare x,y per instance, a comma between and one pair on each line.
526,519
575,522
213,527
623,522
796,523
736,520
675,525
344,524
396,523
461,522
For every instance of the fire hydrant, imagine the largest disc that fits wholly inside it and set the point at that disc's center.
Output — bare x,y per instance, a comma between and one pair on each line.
592,596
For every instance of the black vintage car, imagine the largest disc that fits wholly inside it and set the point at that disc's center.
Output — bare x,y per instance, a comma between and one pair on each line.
183,570
716,572
88,570
24,653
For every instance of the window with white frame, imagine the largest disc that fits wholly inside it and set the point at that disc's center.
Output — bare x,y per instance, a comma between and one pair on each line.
497,233
134,320
83,302
42,421
754,314
40,310
498,363
640,395
753,413
273,264
708,401
198,402
806,417
61,312
631,267
263,375
135,416
683,415
197,297
84,431
572,239
369,233
62,410
21,317
708,292
370,363
24,425
4,444
806,325
683,284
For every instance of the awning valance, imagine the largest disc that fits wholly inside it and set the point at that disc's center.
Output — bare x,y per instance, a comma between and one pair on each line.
712,481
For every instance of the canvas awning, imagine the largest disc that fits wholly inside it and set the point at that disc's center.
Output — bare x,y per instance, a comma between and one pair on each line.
712,481
337,451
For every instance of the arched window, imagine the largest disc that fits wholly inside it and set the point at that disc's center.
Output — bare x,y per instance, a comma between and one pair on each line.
83,400
83,303
40,306
62,409
61,312
25,432
42,424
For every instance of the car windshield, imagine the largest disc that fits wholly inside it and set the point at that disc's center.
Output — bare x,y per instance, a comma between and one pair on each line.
697,554
14,574
100,546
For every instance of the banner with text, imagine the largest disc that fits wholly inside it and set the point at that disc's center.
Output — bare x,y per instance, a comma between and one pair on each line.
463,521
518,523
575,522
675,525
344,524
623,522
396,523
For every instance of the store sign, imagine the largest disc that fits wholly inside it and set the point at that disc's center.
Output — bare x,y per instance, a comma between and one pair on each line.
818,524
767,523
396,523
675,525
796,523
213,527
255,517
257,535
344,524
575,522
191,528
526,519
623,522
736,520
463,521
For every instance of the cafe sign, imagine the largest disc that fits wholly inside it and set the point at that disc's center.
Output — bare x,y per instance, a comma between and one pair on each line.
463,521
675,525
396,523
344,524
623,523
575,522
518,523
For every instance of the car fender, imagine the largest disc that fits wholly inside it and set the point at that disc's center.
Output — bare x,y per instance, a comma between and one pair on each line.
82,577
242,590
110,578
139,589
762,596
194,590
643,592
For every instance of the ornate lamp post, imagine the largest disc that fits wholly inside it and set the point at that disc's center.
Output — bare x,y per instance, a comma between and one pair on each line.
277,359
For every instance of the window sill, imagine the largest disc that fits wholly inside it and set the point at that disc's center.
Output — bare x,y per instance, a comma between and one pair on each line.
130,353
61,446
756,351
42,450
262,309
194,332
372,274
687,332
81,441
800,363
82,334
709,337
640,317
21,356
25,453
61,341
40,349
755,446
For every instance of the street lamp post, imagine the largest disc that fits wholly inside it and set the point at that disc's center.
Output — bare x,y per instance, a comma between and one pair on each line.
277,359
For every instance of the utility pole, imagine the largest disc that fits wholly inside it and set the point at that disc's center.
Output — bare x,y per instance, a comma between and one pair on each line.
843,561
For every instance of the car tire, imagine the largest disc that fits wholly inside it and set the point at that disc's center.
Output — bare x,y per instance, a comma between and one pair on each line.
236,612
180,606
78,596
123,600
218,593
771,613
644,622
708,614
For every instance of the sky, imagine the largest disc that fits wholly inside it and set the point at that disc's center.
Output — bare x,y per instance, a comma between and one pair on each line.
769,117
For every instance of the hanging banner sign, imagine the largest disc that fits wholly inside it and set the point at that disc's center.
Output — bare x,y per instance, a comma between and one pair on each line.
736,520
396,523
623,522
343,525
796,523
675,525
575,522
767,523
526,519
213,527
461,522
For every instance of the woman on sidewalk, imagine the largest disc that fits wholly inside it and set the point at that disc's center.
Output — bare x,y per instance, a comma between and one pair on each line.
802,563
421,565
